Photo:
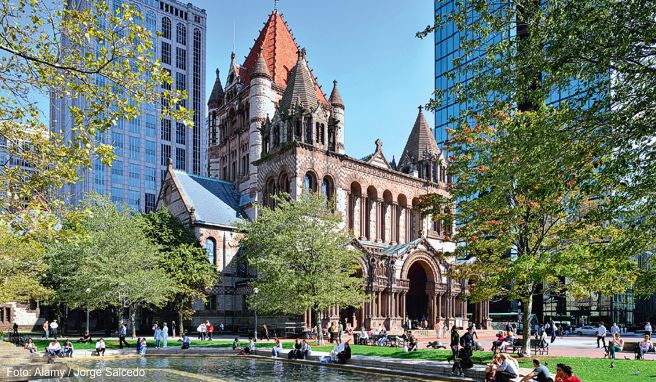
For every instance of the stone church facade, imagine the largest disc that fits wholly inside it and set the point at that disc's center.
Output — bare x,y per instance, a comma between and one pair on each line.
272,129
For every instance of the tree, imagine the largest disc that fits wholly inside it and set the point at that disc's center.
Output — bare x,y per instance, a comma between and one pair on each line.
93,55
21,268
184,261
113,264
303,257
541,189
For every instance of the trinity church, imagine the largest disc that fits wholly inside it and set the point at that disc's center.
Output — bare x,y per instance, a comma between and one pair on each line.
273,129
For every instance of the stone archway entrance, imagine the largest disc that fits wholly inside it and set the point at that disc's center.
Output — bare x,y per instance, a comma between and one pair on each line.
417,298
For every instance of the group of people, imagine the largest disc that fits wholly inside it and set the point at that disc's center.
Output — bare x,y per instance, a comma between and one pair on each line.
206,330
504,340
549,328
50,329
160,334
462,349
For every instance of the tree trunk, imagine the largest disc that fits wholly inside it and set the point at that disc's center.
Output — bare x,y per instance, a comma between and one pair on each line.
133,313
318,318
180,323
119,312
527,307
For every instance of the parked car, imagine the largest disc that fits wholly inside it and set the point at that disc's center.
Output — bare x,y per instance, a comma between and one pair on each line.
586,330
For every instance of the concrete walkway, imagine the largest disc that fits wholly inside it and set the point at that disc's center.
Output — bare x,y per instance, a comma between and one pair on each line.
18,364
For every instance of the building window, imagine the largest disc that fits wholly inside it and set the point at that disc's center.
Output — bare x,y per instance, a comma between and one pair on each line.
180,81
310,182
196,101
151,125
210,249
181,34
135,148
135,125
117,143
118,196
327,189
180,158
149,204
149,174
166,130
180,58
151,24
134,200
151,152
165,56
166,28
180,133
166,154
134,175
117,172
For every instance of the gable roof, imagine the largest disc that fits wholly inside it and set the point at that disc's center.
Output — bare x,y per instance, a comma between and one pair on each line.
214,201
420,142
377,158
279,50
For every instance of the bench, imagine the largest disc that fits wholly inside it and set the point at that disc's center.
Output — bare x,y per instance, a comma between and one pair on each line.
632,348
537,347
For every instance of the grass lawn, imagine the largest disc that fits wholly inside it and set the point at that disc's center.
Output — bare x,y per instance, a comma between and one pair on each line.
588,369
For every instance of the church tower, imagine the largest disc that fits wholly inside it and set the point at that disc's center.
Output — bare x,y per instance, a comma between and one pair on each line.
262,105
336,124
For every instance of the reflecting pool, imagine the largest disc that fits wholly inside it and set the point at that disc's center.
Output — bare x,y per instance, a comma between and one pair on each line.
214,369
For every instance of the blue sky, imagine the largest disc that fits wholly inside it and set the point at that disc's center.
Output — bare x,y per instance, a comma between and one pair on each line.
369,47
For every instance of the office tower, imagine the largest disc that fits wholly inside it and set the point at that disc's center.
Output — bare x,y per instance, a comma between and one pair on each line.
144,145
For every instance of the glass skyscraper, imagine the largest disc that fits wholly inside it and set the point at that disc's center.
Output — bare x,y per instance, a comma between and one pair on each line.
144,145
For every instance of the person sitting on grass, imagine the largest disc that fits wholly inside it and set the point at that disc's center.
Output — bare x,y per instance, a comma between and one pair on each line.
68,349
100,346
235,344
364,336
30,345
560,375
643,347
345,354
540,373
54,348
569,375
413,344
306,350
614,345
186,341
383,338
85,339
277,348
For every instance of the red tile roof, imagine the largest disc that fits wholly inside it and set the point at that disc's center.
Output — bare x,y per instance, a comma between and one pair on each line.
280,52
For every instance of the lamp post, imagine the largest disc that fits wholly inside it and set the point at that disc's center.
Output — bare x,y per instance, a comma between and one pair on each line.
88,290
256,291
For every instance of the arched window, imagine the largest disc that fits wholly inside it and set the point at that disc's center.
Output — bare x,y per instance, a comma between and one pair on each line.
210,249
151,24
181,34
284,183
310,182
327,188
308,130
269,192
166,27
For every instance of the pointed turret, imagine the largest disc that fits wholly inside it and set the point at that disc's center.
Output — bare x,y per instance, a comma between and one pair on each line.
421,144
217,95
335,98
260,69
300,86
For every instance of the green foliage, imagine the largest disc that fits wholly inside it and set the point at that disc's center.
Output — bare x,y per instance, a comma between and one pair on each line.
93,55
303,258
112,263
184,261
542,191
21,268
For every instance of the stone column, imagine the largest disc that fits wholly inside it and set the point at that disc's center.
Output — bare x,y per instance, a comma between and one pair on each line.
393,224
379,304
439,307
431,310
379,221
363,214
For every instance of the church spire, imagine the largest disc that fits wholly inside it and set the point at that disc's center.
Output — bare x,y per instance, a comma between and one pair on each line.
300,86
260,69
421,144
335,98
216,97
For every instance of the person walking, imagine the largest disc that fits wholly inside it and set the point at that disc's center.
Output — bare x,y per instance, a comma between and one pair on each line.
158,337
473,331
165,335
554,330
601,335
173,328
614,329
210,330
455,341
46,329
265,331
122,331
